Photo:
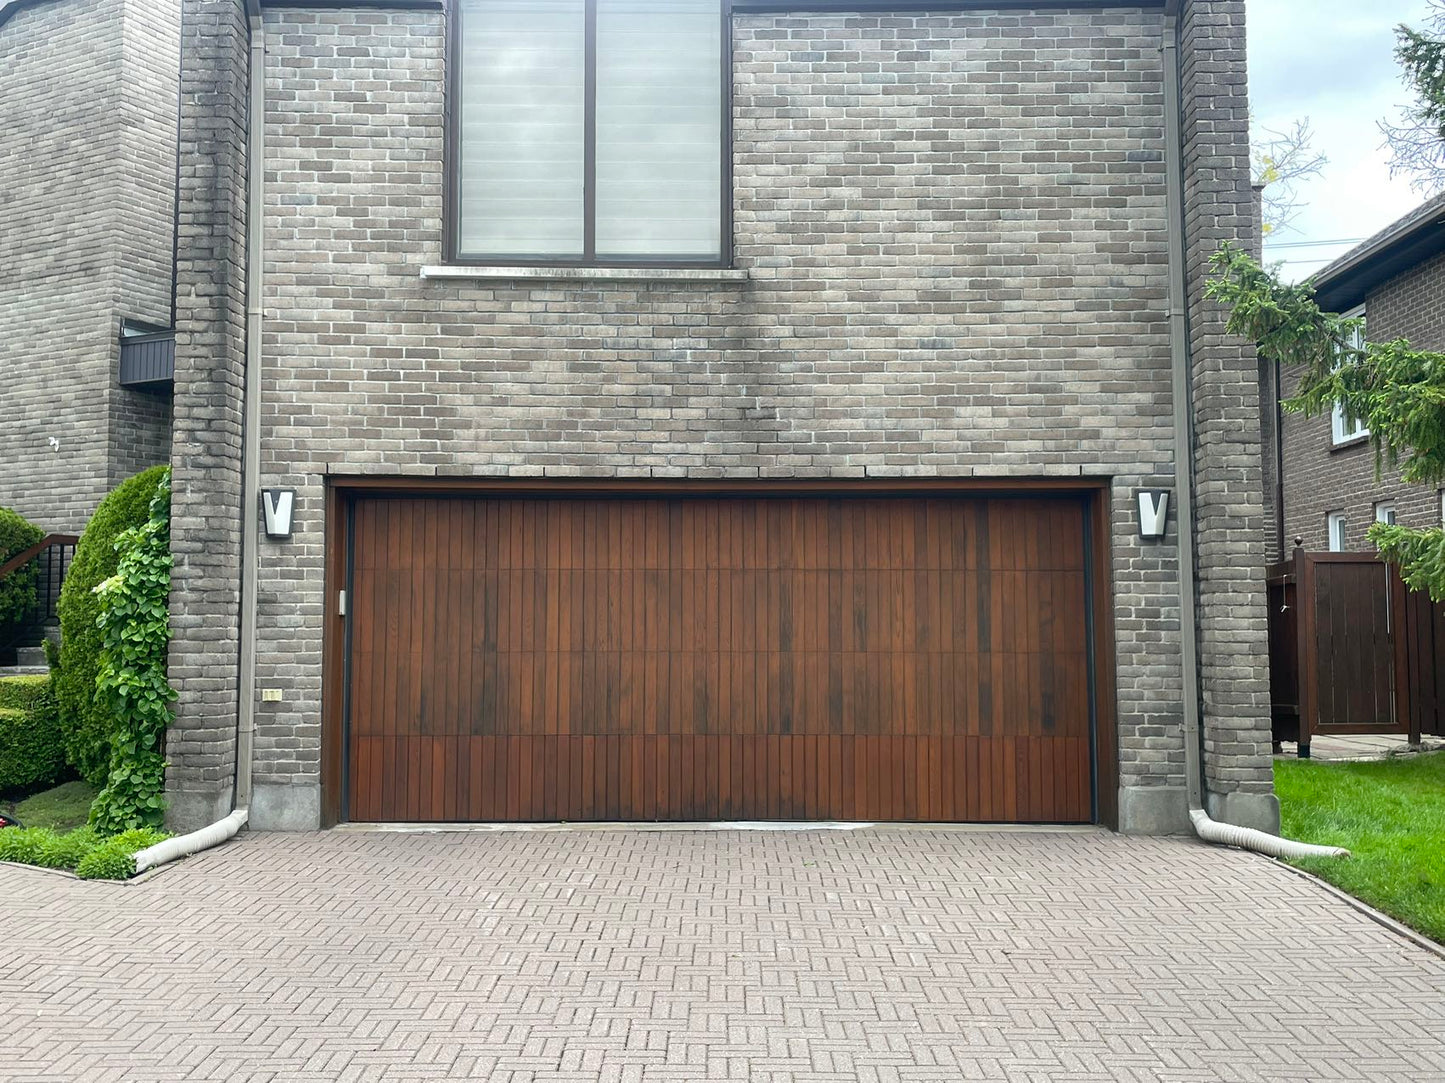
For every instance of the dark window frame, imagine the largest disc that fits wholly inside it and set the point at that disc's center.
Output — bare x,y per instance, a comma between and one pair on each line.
451,164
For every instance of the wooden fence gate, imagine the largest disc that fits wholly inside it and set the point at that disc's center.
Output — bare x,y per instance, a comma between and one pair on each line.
1351,651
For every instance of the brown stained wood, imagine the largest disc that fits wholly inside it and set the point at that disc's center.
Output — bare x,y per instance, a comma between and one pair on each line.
725,657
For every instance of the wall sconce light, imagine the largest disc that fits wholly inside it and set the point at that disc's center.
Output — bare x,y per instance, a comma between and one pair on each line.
276,508
1153,512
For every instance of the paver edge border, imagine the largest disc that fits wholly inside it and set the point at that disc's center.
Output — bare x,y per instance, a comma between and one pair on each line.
149,874
1400,929
761,827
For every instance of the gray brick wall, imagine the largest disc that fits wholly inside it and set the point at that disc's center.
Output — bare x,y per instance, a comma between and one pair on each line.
1321,478
140,432
982,292
206,449
1229,509
962,298
143,198
59,67
87,161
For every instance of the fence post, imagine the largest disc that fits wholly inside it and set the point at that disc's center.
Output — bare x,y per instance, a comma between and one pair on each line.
1304,596
1400,629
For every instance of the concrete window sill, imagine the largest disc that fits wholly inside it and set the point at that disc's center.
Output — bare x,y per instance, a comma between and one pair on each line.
458,273
1346,445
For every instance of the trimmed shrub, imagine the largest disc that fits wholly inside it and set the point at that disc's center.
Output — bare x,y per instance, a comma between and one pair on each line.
86,725
32,749
22,692
18,589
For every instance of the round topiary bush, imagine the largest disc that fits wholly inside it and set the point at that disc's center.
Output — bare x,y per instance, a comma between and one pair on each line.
17,590
85,724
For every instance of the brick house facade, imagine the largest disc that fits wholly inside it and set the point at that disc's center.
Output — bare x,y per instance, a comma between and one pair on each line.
1396,280
946,270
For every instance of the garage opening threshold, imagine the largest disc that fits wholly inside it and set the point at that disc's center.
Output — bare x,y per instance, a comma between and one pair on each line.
721,825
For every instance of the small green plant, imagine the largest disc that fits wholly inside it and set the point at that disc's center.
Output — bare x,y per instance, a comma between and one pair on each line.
68,850
85,723
132,685
18,589
114,858
89,855
106,863
25,844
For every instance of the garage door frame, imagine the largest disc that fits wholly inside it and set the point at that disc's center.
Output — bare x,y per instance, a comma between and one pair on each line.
341,493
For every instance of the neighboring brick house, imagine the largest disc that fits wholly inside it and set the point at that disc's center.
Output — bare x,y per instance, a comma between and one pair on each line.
712,410
1332,491
87,221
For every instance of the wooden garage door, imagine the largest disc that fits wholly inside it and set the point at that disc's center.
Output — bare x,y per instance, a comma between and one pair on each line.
729,658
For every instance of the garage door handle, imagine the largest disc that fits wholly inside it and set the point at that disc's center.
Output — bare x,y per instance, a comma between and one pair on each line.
341,603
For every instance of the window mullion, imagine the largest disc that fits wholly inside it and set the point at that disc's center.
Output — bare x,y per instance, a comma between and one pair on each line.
589,139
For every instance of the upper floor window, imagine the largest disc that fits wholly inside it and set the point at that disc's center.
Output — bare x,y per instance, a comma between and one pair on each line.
1342,428
589,132
1385,512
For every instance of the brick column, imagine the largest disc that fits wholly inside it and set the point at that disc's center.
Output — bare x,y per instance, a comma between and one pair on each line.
1229,504
206,449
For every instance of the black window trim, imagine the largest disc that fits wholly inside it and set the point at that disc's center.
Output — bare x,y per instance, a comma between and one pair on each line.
451,213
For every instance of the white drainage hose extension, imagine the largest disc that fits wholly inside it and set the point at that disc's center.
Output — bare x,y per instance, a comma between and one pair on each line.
1247,838
185,845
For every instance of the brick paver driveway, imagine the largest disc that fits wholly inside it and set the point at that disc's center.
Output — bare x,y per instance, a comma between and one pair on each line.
882,954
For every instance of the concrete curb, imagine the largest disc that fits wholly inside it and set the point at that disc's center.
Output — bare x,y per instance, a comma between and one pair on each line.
1378,917
67,874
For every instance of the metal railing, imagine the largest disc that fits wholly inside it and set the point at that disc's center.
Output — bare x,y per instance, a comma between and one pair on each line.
52,557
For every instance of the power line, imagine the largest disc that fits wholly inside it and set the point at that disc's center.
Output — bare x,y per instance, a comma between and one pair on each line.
1312,244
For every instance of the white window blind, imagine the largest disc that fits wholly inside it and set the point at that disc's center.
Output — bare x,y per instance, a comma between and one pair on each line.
659,128
589,130
522,113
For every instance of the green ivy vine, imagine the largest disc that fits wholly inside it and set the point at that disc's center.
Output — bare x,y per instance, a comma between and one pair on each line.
135,627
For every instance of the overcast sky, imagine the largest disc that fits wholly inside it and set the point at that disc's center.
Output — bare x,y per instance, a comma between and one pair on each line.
1333,62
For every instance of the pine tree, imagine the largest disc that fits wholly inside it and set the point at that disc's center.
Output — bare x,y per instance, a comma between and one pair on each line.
1417,147
1398,392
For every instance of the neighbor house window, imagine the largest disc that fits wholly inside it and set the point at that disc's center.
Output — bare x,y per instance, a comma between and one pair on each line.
589,131
1336,524
1343,428
1385,512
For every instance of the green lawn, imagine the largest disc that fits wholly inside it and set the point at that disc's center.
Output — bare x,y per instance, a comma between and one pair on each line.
60,809
1390,815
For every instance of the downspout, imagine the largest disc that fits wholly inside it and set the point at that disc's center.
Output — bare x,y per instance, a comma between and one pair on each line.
251,439
1206,828
227,827
1279,462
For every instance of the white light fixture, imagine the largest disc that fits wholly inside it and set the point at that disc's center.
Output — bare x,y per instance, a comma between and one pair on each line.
1153,512
276,507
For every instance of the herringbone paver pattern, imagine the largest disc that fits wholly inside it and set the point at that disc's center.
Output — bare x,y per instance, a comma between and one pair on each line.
883,954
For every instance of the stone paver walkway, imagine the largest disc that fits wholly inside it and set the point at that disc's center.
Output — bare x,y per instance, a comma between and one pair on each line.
1361,747
881,954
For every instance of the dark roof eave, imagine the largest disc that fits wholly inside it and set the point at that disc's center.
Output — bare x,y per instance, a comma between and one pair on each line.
1346,283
